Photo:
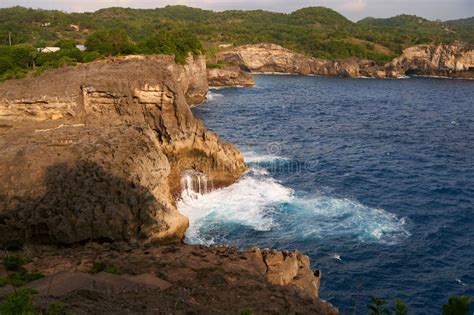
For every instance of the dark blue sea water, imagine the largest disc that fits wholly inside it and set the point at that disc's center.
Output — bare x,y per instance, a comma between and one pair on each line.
373,179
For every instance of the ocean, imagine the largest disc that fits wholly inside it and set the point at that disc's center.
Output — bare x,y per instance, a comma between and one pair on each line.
372,179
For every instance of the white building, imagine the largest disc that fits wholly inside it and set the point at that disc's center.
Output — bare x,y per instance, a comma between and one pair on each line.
46,50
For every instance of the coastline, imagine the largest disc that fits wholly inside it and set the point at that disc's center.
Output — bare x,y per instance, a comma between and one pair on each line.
130,142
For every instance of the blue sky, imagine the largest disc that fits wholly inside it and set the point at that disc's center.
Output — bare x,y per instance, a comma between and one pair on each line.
353,9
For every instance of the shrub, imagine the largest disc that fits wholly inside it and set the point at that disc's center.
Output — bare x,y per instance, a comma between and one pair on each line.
246,311
457,305
100,266
18,303
110,42
55,308
13,263
215,65
378,306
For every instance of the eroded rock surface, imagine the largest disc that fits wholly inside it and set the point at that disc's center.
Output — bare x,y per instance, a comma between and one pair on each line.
229,76
270,58
95,152
175,279
431,60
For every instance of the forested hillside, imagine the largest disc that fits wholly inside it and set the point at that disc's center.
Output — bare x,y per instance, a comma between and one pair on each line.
316,31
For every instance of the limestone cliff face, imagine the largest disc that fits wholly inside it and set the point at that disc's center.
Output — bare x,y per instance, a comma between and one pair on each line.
229,76
435,60
439,60
274,58
95,152
192,79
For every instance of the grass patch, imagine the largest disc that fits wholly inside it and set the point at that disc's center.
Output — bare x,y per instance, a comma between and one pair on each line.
100,266
18,276
246,311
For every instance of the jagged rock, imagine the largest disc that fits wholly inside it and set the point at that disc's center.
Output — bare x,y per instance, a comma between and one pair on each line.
177,279
270,58
96,151
291,268
229,76
192,79
433,60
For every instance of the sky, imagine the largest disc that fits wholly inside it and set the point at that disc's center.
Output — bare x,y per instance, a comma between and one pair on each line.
352,9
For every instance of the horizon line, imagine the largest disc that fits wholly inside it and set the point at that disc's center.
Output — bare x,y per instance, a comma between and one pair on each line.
227,10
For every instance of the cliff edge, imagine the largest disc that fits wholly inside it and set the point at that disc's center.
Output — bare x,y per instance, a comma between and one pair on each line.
96,151
428,60
92,158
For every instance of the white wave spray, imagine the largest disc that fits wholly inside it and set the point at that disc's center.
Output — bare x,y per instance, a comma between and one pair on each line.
261,203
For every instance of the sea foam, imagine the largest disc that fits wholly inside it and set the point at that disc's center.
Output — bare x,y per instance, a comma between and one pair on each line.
261,203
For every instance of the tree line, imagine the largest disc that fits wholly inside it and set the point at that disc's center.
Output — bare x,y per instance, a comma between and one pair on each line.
18,60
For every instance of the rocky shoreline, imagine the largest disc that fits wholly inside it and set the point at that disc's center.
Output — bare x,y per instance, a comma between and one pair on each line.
176,278
92,158
455,61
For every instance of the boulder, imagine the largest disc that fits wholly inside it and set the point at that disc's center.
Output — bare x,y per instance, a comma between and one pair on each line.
229,76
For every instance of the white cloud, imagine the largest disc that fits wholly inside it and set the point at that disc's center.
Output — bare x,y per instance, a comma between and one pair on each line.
353,6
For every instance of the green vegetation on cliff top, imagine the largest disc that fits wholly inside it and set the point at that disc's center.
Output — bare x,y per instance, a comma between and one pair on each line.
178,30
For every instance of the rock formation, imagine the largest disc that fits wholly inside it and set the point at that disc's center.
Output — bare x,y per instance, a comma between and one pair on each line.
174,279
441,60
229,76
269,58
96,151
432,60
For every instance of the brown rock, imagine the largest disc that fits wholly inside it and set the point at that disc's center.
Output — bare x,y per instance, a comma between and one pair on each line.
270,58
217,280
229,76
150,281
292,268
434,60
111,168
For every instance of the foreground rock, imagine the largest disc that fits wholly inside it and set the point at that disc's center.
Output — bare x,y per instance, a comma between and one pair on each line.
429,60
96,152
175,279
229,76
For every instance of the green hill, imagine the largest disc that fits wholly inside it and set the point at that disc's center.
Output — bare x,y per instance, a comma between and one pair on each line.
315,31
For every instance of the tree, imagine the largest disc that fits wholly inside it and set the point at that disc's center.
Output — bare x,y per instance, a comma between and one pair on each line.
110,42
457,305
400,307
378,307
66,44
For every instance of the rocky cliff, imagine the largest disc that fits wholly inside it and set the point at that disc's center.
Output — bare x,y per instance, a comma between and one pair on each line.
441,60
92,157
96,151
432,60
269,58
229,76
173,279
